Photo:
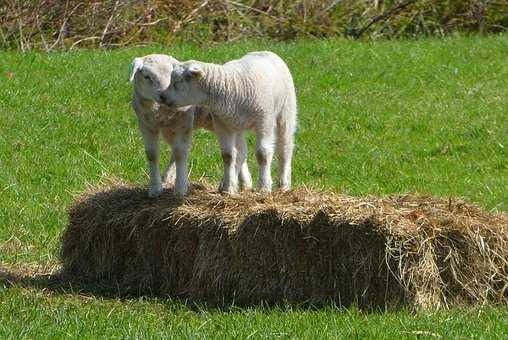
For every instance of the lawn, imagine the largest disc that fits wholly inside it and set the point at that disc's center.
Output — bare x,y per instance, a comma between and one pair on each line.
375,118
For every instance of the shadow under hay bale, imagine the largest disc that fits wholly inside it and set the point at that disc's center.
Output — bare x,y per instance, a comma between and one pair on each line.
300,246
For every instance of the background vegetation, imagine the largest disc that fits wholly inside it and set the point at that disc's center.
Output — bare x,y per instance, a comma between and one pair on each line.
65,24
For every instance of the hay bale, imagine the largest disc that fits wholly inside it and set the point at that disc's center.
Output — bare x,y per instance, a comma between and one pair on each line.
301,246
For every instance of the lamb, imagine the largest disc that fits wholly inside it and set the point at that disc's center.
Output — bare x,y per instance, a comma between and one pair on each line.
254,92
151,75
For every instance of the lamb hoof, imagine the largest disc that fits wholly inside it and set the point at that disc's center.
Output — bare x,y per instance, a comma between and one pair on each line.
180,193
179,196
264,187
264,190
232,188
229,191
155,192
245,186
285,188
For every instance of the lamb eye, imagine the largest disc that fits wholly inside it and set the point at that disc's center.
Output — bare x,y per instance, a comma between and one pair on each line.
148,77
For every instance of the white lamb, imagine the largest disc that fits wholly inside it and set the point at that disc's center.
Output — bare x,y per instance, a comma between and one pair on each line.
151,75
254,92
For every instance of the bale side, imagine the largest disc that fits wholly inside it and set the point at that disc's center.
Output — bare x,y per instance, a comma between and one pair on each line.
301,246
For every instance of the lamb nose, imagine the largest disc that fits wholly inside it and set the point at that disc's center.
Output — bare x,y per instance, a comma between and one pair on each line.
163,98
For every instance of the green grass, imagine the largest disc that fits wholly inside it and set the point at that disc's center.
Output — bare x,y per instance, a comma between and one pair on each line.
34,314
428,116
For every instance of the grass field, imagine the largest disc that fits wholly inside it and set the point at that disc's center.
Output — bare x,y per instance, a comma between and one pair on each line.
428,117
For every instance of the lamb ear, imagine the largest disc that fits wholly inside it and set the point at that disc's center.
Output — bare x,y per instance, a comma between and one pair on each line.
195,72
135,66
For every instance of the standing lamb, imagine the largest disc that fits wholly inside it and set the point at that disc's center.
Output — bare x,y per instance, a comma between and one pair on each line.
151,75
254,92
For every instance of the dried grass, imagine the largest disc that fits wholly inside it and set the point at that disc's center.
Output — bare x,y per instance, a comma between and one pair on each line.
301,246
50,24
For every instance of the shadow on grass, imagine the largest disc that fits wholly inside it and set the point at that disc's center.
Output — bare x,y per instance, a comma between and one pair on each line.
59,283
52,282
56,283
